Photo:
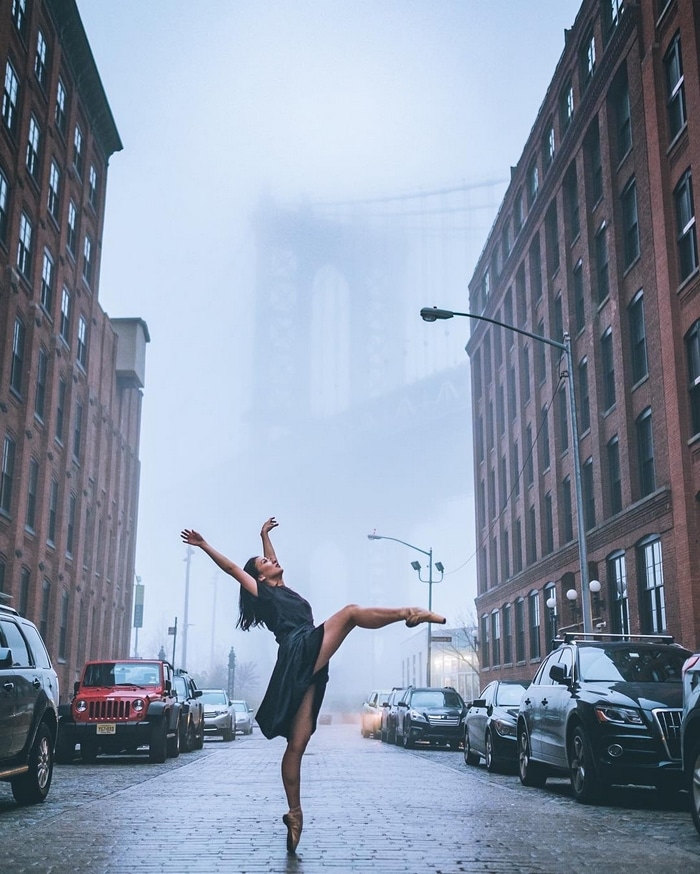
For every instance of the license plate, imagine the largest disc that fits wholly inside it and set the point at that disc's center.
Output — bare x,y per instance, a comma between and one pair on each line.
107,728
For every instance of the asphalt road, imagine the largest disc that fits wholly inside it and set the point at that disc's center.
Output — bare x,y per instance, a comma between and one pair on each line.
368,807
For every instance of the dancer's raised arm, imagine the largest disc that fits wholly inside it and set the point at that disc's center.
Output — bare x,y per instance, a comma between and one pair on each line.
194,538
268,549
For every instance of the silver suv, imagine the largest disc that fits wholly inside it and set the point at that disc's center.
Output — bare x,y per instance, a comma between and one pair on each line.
28,709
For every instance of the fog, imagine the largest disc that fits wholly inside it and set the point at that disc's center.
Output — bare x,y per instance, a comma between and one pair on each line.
297,180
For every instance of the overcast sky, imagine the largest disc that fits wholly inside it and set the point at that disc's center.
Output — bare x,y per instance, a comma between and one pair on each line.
218,102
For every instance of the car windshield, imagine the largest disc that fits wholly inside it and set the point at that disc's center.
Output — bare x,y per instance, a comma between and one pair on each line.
435,698
631,664
509,694
122,674
382,698
214,696
240,707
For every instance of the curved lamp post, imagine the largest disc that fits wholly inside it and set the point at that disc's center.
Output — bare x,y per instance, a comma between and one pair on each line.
417,567
433,314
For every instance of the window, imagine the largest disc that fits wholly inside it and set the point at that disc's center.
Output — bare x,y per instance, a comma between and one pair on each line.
584,412
518,546
536,268
617,584
495,638
65,315
485,289
579,301
19,16
32,488
692,351
60,409
587,59
82,342
601,263
521,296
651,570
595,163
630,223
515,468
24,246
614,477
32,156
568,527
70,529
675,88
47,282
534,614
645,453
87,260
507,634
566,106
532,535
588,494
505,241
93,190
6,474
9,97
72,233
638,338
544,439
40,65
45,608
4,197
685,220
533,183
17,361
63,630
77,430
40,389
622,114
78,150
552,236
518,212
53,512
485,655
54,198
608,366
512,397
529,465
505,554
520,630
612,12
24,578
60,114
571,199
548,145
548,525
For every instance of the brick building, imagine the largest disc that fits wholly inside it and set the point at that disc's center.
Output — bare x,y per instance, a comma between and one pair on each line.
70,377
595,237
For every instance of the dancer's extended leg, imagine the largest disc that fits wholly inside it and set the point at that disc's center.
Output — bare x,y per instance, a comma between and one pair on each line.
302,726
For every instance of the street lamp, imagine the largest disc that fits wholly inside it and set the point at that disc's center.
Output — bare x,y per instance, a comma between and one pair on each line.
417,567
432,314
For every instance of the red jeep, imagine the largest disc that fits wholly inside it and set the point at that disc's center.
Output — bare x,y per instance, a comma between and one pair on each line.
119,706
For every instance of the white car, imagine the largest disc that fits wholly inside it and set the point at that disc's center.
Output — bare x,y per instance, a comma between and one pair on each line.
218,716
243,716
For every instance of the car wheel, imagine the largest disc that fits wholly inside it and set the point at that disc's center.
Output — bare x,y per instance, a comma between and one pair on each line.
173,743
363,731
584,780
158,747
408,741
694,786
88,751
470,758
187,741
491,763
199,737
391,736
33,787
382,736
531,773
228,734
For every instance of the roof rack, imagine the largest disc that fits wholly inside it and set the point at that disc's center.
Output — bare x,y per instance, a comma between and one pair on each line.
597,635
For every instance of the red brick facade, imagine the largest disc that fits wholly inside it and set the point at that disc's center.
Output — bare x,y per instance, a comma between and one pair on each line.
623,279
70,378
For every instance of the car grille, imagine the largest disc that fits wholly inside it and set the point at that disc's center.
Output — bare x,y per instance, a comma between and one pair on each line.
111,708
446,721
669,723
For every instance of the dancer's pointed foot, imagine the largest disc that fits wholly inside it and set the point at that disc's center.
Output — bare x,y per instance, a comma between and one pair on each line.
294,820
416,616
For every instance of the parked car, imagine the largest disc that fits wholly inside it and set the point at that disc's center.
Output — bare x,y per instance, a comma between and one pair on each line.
119,706
387,727
218,716
605,711
490,726
690,734
430,714
191,712
28,709
371,717
243,717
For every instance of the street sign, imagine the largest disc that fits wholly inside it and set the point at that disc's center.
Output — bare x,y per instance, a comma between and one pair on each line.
445,638
138,605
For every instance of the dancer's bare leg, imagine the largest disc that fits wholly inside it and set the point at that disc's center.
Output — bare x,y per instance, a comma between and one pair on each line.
302,726
340,624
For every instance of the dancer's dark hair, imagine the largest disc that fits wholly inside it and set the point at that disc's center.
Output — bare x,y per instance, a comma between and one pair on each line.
249,613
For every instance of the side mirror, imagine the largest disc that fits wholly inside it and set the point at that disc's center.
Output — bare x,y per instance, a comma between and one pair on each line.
76,687
479,702
559,674
5,657
403,704
197,693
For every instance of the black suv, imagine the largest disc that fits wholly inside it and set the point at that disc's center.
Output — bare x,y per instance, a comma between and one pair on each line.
690,733
431,714
605,710
28,709
191,711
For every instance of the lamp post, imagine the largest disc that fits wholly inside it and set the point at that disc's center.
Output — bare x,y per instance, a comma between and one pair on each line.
432,314
416,567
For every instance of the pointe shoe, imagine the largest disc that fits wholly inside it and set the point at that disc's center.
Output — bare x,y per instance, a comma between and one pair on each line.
417,616
294,820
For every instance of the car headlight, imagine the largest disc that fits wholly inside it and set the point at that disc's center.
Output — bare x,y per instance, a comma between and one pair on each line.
415,715
504,728
138,704
605,713
80,705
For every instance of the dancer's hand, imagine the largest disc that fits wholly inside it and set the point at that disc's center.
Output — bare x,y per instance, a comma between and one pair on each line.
191,538
268,526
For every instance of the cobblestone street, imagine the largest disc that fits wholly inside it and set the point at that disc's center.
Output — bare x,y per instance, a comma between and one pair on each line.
368,806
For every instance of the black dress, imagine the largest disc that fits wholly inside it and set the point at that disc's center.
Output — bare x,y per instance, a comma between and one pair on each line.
290,619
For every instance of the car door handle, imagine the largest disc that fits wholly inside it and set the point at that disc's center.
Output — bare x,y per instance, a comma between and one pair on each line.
8,687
